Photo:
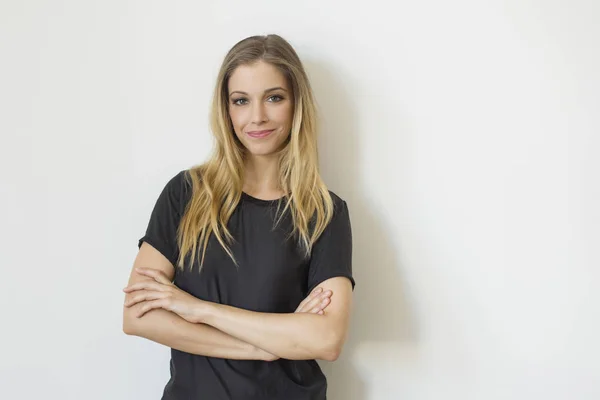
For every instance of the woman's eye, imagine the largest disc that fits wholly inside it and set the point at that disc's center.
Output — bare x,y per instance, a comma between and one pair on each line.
275,98
242,101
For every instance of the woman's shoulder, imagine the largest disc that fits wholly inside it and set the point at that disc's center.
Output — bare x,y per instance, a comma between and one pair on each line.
340,208
179,187
336,199
178,181
183,179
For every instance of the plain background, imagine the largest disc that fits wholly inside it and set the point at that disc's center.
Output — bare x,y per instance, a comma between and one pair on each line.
463,135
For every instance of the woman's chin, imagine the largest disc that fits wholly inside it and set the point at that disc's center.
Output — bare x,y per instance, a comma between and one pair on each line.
260,152
263,149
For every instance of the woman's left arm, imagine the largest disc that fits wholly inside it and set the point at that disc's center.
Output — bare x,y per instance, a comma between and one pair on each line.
291,336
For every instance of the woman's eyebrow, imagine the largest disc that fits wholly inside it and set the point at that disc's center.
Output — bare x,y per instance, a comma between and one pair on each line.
266,91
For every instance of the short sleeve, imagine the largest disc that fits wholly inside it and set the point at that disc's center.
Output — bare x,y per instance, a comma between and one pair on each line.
161,231
331,255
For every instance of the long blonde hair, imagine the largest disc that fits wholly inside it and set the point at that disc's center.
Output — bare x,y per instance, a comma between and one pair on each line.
217,184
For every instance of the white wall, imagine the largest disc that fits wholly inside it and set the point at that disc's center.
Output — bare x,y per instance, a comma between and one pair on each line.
463,135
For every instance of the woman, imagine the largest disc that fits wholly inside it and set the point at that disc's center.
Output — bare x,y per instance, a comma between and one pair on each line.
245,268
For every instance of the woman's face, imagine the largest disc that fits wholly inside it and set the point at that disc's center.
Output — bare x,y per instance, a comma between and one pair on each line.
261,107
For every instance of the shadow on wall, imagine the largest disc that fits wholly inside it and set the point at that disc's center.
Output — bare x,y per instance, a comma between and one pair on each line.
381,314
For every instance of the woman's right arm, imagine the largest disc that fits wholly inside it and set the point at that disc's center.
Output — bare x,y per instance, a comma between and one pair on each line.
171,330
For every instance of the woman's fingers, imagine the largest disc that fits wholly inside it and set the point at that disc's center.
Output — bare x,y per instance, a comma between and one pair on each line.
314,301
321,305
317,303
308,298
157,275
150,305
146,285
144,295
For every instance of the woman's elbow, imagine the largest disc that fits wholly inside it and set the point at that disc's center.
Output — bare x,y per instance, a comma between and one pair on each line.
130,323
333,349
331,354
127,326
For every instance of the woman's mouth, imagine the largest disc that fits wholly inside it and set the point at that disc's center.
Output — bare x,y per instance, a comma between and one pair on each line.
259,134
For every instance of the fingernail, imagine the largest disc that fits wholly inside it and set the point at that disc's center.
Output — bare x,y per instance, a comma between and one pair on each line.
319,290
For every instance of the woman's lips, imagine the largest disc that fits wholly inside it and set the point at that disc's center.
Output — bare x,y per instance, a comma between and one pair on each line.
259,134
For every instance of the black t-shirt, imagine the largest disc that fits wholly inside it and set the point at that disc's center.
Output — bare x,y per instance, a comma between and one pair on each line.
273,276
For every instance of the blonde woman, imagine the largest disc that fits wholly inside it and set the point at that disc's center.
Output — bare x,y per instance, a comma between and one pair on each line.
245,267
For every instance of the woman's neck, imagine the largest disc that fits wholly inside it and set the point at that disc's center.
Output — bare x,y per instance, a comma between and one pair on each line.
261,177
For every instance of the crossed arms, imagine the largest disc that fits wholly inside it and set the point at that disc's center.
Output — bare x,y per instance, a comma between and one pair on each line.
159,311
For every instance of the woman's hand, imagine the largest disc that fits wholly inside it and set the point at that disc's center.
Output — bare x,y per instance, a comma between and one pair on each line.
162,293
315,302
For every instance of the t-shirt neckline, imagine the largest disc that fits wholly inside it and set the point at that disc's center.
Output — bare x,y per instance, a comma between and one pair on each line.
256,200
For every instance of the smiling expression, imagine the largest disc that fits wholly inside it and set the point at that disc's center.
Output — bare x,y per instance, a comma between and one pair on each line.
261,107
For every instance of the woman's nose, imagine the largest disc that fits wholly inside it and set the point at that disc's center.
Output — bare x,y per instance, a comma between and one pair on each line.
259,113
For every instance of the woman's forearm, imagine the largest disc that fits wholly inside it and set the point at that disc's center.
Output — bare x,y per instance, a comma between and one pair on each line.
169,329
297,336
